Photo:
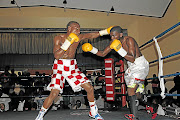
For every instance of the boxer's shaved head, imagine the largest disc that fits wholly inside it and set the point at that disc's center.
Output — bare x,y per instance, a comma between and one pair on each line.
117,29
71,22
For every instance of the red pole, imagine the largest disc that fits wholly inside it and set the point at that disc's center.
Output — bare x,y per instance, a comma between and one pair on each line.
123,87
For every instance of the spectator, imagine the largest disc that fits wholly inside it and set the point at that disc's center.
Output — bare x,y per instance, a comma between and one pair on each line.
6,71
13,77
155,85
78,97
100,102
79,105
56,103
5,80
4,102
176,88
100,80
18,91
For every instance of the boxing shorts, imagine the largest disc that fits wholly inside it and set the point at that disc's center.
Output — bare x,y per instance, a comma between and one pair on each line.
137,72
67,69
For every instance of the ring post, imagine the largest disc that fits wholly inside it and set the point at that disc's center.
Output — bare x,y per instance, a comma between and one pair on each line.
109,78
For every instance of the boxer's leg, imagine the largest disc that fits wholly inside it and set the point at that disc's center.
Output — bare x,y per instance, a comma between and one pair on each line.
93,107
133,101
47,103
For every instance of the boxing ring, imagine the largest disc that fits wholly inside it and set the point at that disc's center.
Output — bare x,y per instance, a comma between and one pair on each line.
107,115
160,60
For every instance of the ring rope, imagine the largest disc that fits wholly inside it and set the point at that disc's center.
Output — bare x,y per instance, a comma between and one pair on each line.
165,76
160,35
168,56
160,58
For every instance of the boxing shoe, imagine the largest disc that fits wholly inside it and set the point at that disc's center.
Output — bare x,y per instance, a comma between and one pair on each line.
96,117
131,117
40,116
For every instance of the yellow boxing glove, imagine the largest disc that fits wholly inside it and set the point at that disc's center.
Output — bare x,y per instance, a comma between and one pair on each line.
106,31
69,40
87,47
117,46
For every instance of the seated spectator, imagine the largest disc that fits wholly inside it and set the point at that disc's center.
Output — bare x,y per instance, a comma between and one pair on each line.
56,103
100,102
18,91
78,97
176,88
39,101
30,104
79,105
100,80
4,102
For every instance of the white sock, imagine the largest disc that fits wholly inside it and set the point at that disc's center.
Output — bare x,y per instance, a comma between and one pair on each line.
41,113
93,108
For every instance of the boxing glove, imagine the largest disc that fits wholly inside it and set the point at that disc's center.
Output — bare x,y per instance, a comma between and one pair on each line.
117,46
69,40
106,31
87,47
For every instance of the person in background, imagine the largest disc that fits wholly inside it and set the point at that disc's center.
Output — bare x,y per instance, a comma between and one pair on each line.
4,102
176,88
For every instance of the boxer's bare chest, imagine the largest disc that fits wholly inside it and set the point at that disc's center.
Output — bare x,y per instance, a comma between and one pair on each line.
71,51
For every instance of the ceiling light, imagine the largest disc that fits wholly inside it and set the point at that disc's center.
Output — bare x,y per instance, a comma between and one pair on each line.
111,10
13,2
64,2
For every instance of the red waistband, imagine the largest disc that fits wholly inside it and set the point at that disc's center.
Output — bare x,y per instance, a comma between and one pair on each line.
139,79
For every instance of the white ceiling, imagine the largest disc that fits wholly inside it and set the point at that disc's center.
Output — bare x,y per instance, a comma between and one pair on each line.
150,8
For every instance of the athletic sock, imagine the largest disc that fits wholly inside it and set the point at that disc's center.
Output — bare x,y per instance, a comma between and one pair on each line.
41,113
93,108
133,105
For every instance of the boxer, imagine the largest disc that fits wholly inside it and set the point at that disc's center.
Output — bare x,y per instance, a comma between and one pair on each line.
138,66
65,68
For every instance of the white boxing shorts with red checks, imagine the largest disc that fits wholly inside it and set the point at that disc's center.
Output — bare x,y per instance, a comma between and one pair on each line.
67,69
136,73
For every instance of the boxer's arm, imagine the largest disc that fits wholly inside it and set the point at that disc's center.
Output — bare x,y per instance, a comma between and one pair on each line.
57,51
95,34
104,52
87,47
131,52
89,35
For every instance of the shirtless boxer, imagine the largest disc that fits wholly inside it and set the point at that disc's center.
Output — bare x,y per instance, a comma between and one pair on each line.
138,66
65,67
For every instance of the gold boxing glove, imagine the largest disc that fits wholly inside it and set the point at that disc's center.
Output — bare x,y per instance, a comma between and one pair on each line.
117,46
69,40
87,47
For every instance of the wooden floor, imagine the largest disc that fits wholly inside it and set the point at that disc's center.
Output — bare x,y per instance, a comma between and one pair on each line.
75,115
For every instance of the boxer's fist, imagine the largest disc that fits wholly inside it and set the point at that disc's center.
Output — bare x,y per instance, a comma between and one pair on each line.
106,31
87,47
72,37
69,40
117,46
